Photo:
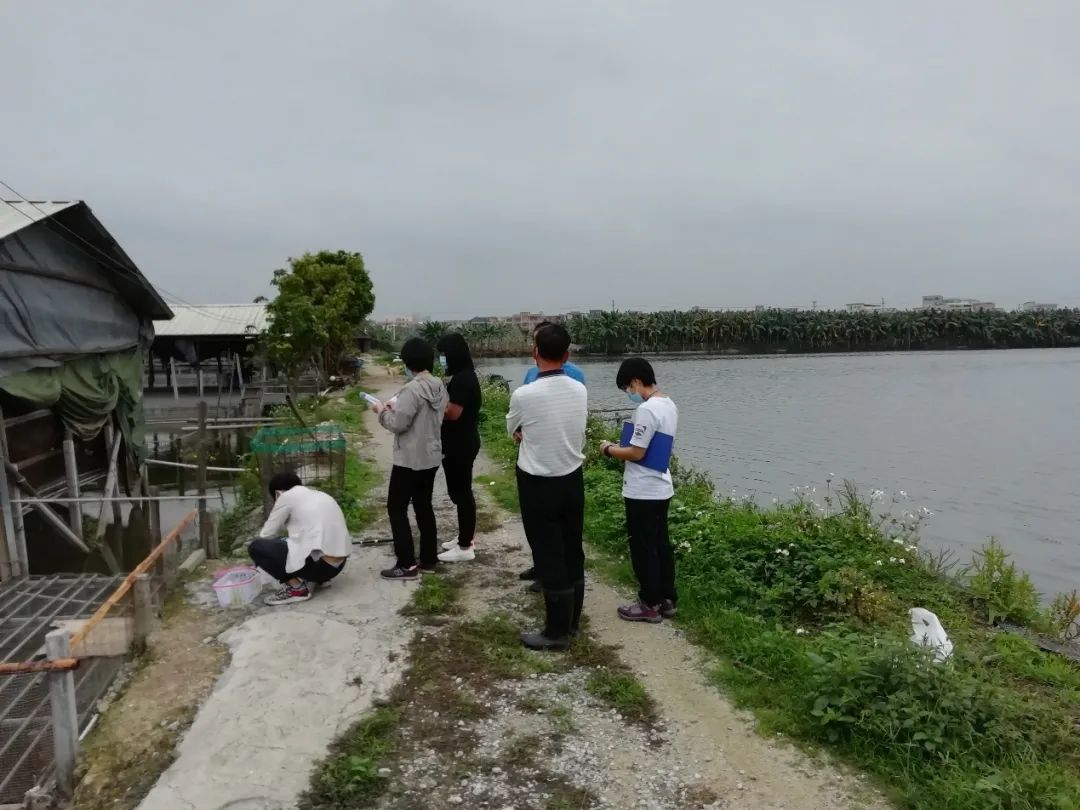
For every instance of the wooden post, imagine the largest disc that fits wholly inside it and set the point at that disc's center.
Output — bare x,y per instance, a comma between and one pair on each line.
144,611
178,443
240,375
114,440
65,715
175,382
71,470
200,481
200,382
14,529
113,443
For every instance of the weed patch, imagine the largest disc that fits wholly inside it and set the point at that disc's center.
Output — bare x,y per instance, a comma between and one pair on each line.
435,596
806,606
351,777
623,692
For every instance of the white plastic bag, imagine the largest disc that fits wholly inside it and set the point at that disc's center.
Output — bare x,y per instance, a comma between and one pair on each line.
926,631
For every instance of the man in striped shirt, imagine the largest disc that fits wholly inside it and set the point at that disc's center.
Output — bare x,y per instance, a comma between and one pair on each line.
547,419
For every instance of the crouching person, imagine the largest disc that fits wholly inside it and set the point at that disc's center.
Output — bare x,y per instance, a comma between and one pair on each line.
304,542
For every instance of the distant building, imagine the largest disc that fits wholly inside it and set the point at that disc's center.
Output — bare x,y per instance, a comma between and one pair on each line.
527,321
869,308
485,320
1031,306
957,304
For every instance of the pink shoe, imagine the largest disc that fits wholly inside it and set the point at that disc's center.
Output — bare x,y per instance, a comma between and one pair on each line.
639,612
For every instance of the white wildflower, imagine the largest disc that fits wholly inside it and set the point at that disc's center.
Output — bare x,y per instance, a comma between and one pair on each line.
879,562
800,632
892,559
899,541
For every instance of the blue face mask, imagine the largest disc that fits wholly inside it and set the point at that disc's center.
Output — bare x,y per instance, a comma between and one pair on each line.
442,362
635,397
408,373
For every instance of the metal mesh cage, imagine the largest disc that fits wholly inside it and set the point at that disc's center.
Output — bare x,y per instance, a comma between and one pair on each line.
316,454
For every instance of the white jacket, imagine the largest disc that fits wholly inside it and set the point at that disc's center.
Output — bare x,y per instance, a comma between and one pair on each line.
315,525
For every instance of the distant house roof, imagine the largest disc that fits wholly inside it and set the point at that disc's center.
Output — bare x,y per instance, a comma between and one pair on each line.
214,320
74,223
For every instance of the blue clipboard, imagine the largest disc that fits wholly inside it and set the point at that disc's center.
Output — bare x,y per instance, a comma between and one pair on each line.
657,454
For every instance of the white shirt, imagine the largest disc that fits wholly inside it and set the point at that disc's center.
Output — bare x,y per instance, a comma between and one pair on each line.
640,483
315,523
551,414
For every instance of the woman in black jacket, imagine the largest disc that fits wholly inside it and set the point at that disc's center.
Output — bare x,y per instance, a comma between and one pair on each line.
461,443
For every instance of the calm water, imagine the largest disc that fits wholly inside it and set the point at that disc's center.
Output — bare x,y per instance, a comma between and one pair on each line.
988,441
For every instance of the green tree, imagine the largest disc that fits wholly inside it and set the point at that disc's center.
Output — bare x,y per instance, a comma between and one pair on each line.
322,300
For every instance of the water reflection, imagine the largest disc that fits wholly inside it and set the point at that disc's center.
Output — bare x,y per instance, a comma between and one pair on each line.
986,440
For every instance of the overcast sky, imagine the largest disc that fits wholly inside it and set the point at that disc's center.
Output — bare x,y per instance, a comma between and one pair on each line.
489,157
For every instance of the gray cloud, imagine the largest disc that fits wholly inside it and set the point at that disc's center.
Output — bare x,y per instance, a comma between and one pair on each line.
490,156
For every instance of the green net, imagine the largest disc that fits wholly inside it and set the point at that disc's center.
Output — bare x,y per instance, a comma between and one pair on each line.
322,438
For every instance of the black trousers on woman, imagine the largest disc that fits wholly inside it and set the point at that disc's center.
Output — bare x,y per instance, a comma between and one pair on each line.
650,550
413,487
458,468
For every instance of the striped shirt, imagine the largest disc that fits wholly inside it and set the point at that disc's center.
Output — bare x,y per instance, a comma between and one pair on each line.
551,414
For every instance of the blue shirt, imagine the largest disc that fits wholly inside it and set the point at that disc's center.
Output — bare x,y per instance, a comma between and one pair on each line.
572,371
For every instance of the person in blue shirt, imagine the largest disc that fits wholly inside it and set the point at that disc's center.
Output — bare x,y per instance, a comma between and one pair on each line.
572,371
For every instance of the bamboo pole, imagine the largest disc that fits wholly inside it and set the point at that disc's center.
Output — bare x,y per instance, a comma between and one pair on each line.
71,472
200,481
129,580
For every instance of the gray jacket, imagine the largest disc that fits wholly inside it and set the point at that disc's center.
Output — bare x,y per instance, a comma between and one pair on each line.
416,422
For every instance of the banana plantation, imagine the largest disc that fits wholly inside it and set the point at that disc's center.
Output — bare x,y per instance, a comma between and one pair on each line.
775,330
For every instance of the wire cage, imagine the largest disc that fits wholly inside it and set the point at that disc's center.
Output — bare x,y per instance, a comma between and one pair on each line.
316,454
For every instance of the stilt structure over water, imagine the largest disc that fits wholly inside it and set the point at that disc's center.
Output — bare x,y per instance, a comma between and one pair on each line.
78,319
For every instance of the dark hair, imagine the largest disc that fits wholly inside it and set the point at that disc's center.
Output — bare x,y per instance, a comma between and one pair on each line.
552,342
417,355
458,357
635,368
540,326
283,482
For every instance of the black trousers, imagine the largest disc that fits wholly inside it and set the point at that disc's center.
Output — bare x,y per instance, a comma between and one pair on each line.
458,468
650,550
270,556
553,514
412,487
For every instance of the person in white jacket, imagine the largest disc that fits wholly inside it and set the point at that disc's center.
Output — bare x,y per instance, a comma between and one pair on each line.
304,541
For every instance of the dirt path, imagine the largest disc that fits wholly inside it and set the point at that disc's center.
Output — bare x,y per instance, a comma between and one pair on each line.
489,725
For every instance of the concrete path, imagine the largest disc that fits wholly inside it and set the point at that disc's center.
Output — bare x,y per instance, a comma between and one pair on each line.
298,678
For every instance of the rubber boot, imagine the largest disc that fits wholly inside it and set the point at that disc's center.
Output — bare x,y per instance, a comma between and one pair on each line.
575,613
528,574
558,608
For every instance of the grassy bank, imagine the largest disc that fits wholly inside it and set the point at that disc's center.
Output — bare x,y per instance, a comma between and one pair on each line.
805,604
245,516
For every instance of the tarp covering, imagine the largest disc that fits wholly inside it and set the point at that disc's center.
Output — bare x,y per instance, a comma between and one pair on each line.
75,317
84,391
56,302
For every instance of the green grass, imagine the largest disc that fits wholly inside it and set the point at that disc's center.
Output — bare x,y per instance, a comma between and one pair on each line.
811,633
350,777
621,691
494,642
435,596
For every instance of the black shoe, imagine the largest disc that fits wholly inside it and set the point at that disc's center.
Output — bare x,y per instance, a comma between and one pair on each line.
668,609
403,574
536,587
527,574
556,632
430,568
578,604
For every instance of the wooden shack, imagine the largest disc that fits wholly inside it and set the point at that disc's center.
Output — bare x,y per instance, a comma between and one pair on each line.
76,316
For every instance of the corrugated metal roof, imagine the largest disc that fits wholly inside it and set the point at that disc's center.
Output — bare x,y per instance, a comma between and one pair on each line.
16,214
213,320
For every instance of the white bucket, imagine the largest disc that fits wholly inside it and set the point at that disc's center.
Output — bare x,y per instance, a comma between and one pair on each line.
236,587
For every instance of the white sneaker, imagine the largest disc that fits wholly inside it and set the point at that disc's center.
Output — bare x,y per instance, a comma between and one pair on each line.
449,544
458,554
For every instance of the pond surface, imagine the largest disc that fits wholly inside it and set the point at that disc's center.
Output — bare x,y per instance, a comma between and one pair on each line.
988,441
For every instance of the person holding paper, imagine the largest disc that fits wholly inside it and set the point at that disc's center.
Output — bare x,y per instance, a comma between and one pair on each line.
647,490
415,418
460,443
